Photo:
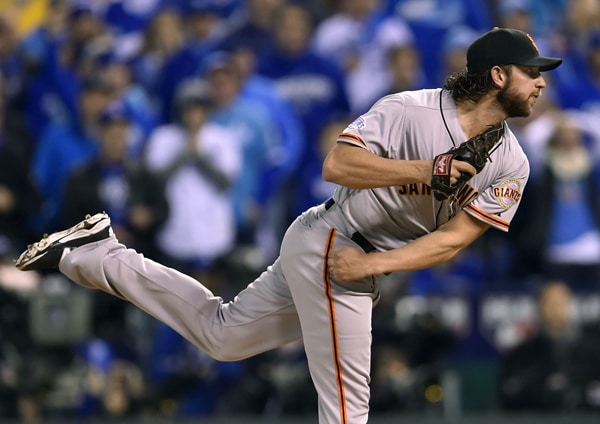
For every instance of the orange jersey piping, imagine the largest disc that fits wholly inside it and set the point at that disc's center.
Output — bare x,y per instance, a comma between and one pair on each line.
489,218
352,137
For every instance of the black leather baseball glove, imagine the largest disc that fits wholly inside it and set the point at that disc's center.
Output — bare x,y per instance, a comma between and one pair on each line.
476,151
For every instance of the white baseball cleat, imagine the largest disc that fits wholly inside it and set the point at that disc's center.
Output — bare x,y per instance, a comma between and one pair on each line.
47,253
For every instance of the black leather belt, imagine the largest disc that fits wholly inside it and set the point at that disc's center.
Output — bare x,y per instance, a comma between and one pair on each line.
329,203
357,237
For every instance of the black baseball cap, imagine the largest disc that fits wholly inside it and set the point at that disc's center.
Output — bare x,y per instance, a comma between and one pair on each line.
506,46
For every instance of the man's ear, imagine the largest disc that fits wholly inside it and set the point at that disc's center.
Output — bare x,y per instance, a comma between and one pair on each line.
499,76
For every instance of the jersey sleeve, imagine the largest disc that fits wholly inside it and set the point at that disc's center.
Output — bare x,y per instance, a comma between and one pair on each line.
498,204
372,129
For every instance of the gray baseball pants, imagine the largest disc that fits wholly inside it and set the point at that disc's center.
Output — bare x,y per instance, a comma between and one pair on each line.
295,298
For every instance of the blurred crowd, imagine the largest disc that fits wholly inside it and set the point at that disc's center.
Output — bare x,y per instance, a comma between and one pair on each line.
200,127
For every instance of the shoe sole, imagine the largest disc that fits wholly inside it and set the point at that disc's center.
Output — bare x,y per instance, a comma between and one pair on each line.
90,228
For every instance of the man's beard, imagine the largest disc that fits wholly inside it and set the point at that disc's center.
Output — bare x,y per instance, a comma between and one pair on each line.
511,103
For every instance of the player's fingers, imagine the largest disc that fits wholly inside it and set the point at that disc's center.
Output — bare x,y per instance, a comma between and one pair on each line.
332,261
459,167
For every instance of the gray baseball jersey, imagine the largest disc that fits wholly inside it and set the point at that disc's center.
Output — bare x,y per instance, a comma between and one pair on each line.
409,125
296,298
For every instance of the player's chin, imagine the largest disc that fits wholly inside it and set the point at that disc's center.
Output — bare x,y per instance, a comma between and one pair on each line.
518,108
525,111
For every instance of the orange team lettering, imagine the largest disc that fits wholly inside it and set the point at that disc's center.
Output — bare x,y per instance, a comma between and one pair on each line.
507,193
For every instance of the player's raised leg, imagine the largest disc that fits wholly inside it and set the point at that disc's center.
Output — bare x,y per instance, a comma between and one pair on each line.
260,318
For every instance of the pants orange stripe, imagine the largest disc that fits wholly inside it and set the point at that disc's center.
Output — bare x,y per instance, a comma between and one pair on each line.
334,336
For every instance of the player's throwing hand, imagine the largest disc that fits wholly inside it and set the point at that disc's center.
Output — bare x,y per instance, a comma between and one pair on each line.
348,264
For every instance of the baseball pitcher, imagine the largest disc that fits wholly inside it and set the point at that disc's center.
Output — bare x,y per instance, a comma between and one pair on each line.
423,174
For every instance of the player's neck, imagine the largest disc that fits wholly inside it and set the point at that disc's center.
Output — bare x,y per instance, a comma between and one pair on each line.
474,118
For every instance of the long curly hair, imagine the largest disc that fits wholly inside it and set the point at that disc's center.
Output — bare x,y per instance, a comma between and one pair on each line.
465,86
